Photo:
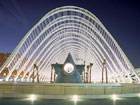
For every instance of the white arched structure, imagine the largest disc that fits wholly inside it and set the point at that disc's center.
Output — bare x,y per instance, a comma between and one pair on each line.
75,30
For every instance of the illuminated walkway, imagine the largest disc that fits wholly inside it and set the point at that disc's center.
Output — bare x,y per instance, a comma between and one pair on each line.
63,30
71,100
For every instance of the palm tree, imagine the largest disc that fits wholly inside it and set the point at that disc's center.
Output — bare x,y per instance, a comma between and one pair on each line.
36,67
91,64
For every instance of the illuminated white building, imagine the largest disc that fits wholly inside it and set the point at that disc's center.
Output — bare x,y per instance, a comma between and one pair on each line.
75,30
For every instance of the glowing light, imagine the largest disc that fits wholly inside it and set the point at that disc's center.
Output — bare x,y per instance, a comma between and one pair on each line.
4,74
139,95
68,67
6,79
114,97
32,97
75,98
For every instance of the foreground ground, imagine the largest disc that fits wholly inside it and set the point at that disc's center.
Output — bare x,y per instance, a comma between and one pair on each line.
107,101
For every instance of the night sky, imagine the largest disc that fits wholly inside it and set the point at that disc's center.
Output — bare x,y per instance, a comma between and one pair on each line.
120,17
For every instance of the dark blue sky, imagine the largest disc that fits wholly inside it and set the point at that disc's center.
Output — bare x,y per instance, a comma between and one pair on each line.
120,17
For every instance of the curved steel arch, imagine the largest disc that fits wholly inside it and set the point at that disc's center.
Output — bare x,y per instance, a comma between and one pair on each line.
64,47
55,48
48,39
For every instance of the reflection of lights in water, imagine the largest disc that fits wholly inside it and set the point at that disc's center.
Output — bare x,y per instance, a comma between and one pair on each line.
75,98
139,95
32,97
114,97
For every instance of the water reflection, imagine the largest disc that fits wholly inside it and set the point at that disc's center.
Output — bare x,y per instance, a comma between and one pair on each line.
71,100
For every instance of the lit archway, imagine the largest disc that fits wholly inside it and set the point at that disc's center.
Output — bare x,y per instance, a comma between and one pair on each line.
69,29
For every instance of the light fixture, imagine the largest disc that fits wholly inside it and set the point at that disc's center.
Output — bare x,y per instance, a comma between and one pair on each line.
75,98
138,94
32,97
114,97
4,74
68,68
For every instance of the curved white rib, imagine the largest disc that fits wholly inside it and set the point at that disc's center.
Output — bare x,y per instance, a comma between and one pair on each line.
49,38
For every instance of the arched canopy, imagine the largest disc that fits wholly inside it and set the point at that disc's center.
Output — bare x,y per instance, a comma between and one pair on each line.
74,30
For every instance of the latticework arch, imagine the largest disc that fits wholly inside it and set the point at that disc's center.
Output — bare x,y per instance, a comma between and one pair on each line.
63,30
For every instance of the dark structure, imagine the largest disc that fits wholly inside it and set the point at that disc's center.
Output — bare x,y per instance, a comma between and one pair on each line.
68,72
